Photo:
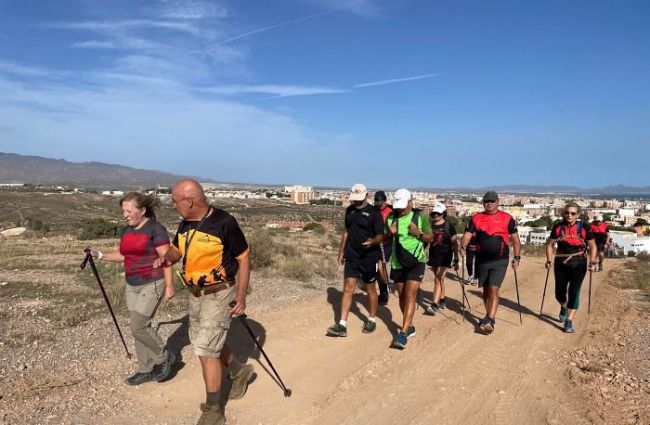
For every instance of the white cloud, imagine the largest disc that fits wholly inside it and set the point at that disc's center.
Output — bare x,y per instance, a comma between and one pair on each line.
363,8
270,89
192,10
12,68
159,124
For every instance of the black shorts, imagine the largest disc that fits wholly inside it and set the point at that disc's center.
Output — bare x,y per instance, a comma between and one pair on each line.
443,260
361,268
402,275
491,273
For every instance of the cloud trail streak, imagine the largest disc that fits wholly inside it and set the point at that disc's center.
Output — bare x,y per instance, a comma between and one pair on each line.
393,81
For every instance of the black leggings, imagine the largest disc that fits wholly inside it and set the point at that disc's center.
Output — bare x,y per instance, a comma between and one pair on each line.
568,278
469,261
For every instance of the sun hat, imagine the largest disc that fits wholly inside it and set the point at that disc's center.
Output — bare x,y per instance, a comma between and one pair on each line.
402,198
359,192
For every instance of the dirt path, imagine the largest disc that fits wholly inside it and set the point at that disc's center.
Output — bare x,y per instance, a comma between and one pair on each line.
448,373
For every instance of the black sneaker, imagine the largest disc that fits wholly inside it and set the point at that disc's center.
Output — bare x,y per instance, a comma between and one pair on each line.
442,304
162,370
139,378
337,330
383,298
432,309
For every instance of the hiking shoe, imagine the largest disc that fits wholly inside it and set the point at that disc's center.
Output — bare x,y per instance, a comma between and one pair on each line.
432,309
442,304
139,378
400,341
487,325
469,280
383,298
410,333
211,415
162,370
474,281
337,330
568,327
563,314
240,382
369,327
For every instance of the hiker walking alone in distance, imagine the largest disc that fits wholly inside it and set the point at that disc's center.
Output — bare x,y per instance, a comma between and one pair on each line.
494,231
215,268
143,241
601,235
385,247
410,232
358,253
569,261
443,248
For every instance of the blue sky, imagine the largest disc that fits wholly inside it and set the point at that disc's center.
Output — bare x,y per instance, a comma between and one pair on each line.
329,92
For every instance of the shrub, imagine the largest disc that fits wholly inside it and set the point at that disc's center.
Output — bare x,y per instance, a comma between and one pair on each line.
299,268
314,227
262,249
98,229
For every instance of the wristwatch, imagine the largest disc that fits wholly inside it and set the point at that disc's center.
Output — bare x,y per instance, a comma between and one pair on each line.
517,258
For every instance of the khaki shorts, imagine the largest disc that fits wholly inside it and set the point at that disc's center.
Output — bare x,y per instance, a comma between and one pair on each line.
210,321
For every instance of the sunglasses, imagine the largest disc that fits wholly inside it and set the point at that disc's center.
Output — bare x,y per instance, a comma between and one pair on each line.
489,202
436,213
570,213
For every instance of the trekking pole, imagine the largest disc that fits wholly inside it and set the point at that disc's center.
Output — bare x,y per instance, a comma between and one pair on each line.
465,299
462,287
521,322
89,258
242,317
589,303
384,268
548,271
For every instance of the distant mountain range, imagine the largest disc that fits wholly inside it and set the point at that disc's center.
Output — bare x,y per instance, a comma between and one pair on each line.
99,175
16,168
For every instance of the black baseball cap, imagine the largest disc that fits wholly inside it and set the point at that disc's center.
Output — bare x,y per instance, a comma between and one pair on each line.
490,196
380,197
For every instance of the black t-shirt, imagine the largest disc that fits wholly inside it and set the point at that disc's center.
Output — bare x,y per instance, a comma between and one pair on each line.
441,243
362,224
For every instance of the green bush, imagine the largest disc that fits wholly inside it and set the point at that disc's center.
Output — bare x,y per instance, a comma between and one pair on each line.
262,249
314,227
299,268
98,229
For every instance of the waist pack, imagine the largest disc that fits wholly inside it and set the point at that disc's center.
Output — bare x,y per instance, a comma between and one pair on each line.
407,259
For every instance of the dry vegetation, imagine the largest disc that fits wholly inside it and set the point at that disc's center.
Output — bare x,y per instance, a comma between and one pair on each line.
56,327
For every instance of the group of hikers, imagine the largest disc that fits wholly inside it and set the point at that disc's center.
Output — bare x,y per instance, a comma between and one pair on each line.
214,263
380,234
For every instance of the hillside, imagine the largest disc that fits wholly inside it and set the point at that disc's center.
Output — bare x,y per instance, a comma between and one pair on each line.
40,170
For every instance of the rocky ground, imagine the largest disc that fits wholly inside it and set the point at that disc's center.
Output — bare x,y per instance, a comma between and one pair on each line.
610,368
61,361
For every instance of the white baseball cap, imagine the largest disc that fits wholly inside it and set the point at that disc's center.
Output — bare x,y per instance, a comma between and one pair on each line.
599,218
402,198
359,192
439,208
